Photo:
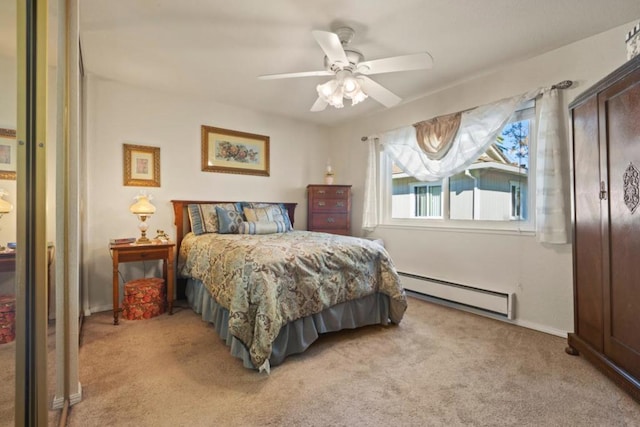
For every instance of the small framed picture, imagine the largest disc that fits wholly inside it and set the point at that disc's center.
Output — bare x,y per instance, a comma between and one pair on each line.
141,165
8,154
231,151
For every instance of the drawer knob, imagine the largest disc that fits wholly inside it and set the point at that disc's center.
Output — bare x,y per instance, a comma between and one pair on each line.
340,204
321,191
321,203
331,220
339,191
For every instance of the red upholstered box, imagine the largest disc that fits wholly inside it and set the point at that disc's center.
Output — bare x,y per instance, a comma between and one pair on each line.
143,298
7,318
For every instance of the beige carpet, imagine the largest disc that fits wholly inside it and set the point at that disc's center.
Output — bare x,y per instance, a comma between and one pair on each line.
439,367
8,380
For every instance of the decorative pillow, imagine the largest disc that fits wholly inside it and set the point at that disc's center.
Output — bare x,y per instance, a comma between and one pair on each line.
259,212
228,220
262,227
204,218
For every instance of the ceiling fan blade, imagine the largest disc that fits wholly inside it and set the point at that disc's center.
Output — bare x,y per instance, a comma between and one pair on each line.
378,92
319,105
418,61
330,44
300,74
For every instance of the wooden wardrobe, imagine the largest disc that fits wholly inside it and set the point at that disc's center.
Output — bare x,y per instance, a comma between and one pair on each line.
606,223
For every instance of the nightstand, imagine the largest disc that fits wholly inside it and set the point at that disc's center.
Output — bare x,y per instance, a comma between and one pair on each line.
136,253
8,265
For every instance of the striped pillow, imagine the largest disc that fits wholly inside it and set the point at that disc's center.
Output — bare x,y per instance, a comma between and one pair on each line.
262,227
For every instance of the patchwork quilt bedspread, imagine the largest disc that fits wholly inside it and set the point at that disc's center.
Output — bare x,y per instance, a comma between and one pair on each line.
266,281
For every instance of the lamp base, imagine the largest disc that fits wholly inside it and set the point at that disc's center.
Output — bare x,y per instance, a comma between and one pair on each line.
143,241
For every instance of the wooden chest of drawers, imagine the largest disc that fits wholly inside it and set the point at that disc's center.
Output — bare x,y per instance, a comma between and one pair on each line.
329,209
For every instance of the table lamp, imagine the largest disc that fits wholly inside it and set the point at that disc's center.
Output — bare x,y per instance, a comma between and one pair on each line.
143,209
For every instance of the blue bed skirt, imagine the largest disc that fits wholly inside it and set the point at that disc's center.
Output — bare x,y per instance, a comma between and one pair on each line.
294,337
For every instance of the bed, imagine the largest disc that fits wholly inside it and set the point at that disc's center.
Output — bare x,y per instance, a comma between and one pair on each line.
270,293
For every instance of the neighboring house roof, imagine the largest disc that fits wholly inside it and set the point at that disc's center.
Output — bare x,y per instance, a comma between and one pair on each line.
493,154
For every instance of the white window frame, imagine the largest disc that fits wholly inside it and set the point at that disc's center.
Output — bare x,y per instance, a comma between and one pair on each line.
427,185
515,185
517,226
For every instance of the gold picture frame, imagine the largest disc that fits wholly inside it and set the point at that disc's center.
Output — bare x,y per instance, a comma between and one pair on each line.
231,151
141,165
8,154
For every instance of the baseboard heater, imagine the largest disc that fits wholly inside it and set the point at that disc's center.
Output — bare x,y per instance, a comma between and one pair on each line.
464,296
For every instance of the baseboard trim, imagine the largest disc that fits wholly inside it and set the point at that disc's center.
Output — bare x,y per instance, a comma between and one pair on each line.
468,309
98,309
76,397
541,328
58,402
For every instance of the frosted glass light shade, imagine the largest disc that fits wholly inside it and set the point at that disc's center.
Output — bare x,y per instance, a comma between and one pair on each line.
143,206
344,86
5,207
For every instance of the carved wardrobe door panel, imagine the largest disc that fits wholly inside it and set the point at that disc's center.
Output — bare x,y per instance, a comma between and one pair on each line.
619,107
587,225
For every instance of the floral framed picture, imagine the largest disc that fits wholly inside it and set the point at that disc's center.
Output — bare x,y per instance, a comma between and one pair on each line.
141,165
231,151
8,154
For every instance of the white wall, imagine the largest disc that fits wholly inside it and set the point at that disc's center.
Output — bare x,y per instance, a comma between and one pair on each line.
541,275
117,113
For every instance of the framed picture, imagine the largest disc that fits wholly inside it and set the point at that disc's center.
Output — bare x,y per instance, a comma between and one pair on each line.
141,165
230,151
8,154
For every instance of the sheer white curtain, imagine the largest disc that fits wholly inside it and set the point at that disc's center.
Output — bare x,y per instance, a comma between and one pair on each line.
551,169
479,128
370,211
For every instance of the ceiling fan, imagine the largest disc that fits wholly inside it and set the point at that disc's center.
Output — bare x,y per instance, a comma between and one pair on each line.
351,70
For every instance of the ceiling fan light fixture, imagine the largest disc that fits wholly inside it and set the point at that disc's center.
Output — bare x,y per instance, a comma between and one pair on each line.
336,97
325,90
358,97
351,86
353,90
335,90
331,92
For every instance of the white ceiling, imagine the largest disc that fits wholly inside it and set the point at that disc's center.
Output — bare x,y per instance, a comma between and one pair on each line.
217,48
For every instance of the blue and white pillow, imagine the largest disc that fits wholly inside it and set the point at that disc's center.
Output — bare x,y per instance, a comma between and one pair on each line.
204,218
269,212
262,227
228,220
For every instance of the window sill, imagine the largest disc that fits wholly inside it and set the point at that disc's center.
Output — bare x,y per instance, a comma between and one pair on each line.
449,226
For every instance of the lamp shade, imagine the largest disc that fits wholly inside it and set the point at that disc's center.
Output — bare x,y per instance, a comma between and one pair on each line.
142,206
5,207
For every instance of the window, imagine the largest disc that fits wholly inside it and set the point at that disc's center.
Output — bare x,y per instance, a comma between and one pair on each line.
493,190
516,200
427,200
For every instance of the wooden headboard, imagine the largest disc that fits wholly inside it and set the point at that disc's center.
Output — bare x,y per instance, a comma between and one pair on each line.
181,216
